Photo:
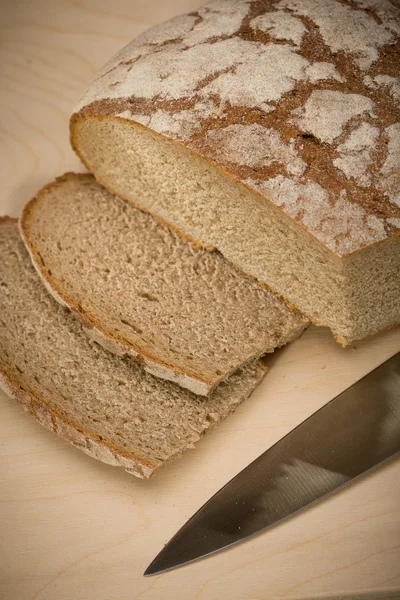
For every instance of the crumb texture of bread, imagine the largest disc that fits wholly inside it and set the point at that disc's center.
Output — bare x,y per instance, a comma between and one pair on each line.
270,131
107,406
188,315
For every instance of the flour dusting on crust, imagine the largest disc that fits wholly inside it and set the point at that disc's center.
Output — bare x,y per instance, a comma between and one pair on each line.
255,146
296,98
326,113
390,182
281,26
379,81
324,219
356,153
344,29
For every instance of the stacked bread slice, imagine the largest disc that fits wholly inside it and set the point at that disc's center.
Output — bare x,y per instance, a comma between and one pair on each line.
118,334
187,315
107,406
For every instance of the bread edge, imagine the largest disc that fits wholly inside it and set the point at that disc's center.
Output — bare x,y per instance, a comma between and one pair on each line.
88,442
72,433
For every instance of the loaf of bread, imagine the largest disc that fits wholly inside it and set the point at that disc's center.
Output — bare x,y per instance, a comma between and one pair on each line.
105,405
268,129
186,314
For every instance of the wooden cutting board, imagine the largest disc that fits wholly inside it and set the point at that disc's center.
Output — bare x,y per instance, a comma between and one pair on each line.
73,528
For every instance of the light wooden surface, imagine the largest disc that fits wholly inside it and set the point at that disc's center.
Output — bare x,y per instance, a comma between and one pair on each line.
72,528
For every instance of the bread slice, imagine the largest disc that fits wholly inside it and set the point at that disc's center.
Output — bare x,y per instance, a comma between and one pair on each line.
270,131
107,406
186,314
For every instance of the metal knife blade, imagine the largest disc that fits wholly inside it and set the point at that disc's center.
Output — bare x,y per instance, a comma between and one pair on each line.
353,433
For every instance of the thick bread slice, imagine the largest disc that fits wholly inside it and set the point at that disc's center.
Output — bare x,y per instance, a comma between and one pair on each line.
269,130
105,405
186,314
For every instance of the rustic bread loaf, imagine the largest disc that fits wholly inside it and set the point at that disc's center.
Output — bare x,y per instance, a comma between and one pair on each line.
186,314
105,405
269,130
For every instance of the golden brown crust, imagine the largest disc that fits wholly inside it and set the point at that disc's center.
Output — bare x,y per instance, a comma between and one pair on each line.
74,433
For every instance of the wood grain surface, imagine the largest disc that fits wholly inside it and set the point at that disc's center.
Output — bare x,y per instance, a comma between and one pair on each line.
75,529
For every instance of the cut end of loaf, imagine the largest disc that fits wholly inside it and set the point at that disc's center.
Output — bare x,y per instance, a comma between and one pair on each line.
170,181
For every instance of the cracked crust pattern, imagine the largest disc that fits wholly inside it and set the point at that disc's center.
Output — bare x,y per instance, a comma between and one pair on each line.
279,94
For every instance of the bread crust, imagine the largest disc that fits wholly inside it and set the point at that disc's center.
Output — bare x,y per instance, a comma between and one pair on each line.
74,433
326,97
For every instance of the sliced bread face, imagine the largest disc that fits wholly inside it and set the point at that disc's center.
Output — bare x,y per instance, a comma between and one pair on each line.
107,406
186,314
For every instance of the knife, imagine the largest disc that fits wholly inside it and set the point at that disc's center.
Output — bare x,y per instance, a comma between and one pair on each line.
352,434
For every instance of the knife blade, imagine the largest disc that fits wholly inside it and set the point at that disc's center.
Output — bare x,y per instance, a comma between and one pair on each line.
352,434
